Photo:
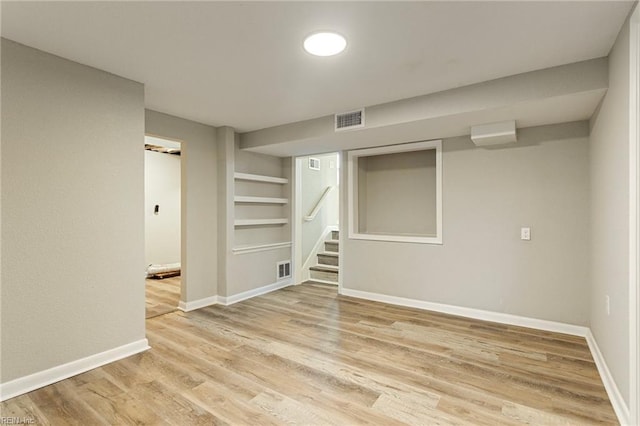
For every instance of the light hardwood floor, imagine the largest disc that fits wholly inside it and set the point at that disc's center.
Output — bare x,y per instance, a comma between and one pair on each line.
162,296
304,355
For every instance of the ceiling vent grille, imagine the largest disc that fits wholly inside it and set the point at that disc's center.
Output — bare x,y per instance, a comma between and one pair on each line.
314,163
349,120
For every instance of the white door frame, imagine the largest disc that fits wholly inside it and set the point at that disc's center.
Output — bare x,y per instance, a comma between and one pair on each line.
634,217
296,226
183,213
297,164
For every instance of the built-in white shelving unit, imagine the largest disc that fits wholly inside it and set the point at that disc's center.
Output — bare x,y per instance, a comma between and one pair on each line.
256,200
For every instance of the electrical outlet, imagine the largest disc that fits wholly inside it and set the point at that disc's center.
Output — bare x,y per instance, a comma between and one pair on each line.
525,234
607,302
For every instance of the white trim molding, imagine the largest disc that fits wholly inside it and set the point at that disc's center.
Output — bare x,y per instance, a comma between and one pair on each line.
634,217
259,248
197,304
43,378
617,401
235,298
479,314
230,300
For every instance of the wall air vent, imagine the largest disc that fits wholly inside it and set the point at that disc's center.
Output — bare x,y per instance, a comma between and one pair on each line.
314,163
283,270
349,120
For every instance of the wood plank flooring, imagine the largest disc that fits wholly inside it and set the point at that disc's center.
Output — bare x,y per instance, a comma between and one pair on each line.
304,355
162,296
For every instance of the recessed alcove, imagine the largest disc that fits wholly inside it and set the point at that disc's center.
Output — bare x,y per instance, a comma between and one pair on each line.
395,193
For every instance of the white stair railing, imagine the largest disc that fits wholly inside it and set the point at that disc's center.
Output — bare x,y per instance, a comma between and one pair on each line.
312,215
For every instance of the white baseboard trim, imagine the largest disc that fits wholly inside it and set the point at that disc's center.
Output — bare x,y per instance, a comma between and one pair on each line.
197,304
43,378
230,300
498,317
619,405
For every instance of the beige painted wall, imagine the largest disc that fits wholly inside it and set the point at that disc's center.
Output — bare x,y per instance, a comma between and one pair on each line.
162,188
488,195
609,173
397,193
72,221
199,201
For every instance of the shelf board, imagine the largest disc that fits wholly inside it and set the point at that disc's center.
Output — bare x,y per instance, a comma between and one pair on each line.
260,222
259,200
260,178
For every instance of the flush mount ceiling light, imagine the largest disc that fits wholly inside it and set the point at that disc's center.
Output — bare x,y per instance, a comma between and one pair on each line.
325,44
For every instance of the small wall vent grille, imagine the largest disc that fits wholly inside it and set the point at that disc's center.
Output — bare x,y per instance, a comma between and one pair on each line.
349,120
283,270
314,163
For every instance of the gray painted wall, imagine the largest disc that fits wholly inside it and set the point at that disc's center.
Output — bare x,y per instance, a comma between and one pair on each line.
488,195
397,193
609,172
199,201
72,214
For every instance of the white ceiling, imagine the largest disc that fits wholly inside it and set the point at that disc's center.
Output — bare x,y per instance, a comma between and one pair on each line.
242,64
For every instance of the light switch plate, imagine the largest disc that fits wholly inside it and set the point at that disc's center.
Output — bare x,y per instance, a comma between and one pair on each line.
525,234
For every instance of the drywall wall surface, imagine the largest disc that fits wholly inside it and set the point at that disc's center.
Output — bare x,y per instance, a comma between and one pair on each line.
540,182
559,94
314,184
73,227
226,160
397,193
162,189
199,201
609,171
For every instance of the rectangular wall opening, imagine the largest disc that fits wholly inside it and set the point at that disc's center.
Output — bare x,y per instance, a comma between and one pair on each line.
396,193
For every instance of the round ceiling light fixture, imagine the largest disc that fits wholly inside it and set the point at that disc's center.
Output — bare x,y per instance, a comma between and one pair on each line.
325,44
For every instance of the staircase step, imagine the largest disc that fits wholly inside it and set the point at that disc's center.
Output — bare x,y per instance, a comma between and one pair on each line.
325,268
331,245
324,273
328,258
335,235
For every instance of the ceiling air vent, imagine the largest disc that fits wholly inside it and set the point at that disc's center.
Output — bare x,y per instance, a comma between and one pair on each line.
350,120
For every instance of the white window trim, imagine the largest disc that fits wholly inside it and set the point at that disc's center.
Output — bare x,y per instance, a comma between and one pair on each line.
352,176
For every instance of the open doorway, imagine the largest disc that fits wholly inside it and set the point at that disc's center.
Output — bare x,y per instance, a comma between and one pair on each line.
316,230
162,187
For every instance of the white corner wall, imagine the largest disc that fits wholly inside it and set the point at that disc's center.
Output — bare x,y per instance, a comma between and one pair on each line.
72,231
488,195
199,214
162,188
609,259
